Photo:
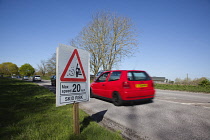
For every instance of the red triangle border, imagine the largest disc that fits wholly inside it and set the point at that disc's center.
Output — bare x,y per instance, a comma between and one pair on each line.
75,52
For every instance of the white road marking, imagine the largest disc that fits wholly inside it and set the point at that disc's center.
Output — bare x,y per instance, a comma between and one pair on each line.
195,104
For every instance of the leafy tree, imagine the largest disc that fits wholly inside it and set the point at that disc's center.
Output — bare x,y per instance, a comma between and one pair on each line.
197,81
8,68
204,82
1,69
109,38
26,70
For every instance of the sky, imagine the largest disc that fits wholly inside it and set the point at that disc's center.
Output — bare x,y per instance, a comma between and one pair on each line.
173,35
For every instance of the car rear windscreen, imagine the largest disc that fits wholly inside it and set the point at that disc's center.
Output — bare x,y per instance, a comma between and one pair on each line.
138,76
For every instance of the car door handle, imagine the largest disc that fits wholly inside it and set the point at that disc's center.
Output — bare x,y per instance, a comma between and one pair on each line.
103,85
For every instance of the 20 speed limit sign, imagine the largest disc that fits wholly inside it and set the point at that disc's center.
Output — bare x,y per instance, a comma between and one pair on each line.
72,73
71,92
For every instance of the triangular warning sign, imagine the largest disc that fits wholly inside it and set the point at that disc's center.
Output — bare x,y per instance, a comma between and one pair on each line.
74,70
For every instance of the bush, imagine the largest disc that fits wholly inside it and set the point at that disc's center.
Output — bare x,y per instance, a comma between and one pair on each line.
191,88
204,82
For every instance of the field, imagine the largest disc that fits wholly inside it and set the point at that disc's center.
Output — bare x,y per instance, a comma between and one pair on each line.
191,88
28,112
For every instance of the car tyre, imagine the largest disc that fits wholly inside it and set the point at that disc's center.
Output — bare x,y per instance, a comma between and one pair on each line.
116,99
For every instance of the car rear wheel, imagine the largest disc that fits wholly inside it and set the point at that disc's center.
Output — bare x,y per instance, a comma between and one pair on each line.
116,99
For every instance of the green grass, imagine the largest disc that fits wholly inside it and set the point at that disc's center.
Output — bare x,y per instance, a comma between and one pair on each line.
28,112
191,88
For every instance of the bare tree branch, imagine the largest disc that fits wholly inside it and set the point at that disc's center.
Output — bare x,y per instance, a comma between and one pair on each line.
109,38
42,67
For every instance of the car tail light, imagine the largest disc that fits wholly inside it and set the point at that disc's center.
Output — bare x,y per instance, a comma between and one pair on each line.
126,85
152,84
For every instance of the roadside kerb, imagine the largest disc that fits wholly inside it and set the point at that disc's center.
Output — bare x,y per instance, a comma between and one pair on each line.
127,133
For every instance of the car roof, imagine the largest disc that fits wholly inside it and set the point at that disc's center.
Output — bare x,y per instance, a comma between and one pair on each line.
124,70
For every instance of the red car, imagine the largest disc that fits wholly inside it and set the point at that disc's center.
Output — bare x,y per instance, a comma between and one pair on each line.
123,85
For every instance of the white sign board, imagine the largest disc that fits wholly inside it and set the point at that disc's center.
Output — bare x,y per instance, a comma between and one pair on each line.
72,75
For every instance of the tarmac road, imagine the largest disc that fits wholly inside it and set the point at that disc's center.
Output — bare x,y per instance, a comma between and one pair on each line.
173,115
47,84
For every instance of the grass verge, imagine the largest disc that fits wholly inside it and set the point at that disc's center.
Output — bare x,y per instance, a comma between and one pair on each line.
28,111
191,88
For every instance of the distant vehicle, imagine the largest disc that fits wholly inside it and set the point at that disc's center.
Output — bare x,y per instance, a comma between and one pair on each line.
13,76
31,78
121,86
37,78
18,76
25,78
53,80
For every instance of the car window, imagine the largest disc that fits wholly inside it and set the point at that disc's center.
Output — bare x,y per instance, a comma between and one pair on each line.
103,77
115,76
99,73
138,76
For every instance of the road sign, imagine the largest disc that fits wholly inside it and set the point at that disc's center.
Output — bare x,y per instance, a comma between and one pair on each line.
74,70
72,73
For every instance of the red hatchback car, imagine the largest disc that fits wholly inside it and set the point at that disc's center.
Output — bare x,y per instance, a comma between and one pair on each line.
123,85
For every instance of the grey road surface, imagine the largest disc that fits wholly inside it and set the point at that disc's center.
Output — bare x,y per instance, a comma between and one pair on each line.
173,115
47,84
